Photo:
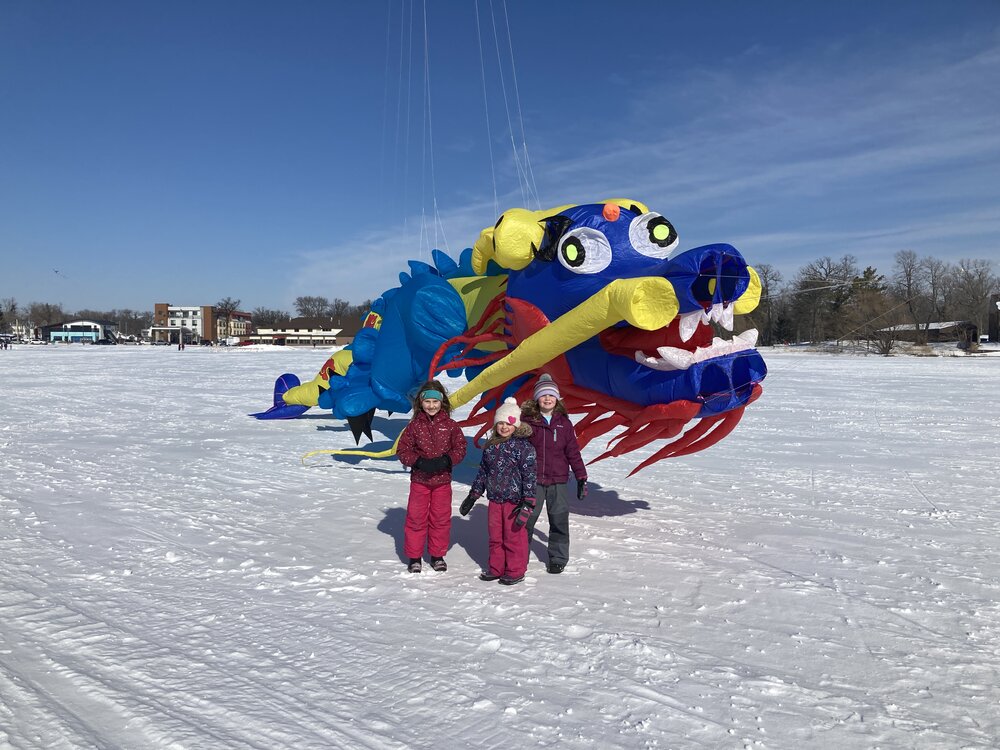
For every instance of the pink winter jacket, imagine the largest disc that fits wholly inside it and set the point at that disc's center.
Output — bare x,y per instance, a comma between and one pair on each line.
431,437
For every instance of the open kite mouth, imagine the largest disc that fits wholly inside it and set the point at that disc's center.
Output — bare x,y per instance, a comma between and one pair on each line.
687,340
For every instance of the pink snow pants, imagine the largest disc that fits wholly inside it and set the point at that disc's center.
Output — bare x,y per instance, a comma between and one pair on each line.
508,546
428,519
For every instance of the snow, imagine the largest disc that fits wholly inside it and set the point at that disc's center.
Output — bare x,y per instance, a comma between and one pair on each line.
174,577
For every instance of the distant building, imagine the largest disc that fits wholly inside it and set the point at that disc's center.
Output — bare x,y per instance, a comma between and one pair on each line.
22,331
196,324
239,325
954,330
80,331
301,332
350,330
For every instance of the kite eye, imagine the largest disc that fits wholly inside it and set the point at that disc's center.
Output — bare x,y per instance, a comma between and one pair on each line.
585,250
652,235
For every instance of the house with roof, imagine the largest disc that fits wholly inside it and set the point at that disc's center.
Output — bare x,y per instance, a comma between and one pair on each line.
308,331
954,330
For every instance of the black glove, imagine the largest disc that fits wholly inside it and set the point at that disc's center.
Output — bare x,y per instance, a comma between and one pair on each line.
523,511
433,465
581,489
466,507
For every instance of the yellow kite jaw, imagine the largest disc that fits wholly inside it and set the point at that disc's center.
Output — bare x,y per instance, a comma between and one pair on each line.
646,302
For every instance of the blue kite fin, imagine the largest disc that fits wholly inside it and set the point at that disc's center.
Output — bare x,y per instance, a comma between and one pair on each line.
281,410
285,411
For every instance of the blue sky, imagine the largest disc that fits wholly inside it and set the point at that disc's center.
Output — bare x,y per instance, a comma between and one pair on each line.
189,151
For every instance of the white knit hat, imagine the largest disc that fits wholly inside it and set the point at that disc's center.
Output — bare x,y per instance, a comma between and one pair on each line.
546,386
509,412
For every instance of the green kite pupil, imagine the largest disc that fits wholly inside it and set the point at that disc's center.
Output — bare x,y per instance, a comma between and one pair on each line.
661,232
572,252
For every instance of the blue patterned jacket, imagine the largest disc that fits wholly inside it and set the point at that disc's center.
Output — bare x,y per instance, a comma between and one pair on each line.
507,470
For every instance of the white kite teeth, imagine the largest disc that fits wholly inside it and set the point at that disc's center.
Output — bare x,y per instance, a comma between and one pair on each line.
675,358
689,322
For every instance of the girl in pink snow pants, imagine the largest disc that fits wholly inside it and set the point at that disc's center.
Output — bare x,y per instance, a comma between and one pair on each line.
431,444
507,476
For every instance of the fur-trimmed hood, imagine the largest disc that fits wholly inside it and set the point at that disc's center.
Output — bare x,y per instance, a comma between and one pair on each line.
530,410
523,430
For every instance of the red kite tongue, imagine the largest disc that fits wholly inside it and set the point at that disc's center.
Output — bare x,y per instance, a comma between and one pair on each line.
627,340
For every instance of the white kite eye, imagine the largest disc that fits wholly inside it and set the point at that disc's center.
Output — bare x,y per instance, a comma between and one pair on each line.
585,250
652,235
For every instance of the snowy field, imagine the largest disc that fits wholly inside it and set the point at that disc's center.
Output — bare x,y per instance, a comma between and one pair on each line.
172,576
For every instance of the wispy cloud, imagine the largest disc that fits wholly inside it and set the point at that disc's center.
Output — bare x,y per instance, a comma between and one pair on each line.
810,146
852,149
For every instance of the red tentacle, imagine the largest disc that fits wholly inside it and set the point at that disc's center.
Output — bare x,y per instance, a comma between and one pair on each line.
728,424
595,430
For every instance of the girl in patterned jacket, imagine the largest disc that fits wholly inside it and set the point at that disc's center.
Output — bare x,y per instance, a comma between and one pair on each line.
431,444
507,476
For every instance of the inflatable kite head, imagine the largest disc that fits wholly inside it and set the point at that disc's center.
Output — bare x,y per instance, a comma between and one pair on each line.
598,295
601,296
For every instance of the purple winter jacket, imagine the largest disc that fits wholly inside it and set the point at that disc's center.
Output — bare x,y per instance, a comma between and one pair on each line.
556,449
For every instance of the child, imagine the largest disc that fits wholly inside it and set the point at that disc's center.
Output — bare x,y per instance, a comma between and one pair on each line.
507,475
557,450
431,443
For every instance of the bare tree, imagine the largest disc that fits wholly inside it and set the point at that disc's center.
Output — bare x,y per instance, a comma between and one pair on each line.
265,318
132,322
92,315
939,282
340,310
821,290
45,314
873,312
975,283
312,307
8,311
225,307
909,283
770,281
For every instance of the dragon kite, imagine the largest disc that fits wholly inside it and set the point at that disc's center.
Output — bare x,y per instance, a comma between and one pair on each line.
598,295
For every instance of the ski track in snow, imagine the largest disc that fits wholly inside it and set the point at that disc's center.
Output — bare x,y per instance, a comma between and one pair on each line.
174,577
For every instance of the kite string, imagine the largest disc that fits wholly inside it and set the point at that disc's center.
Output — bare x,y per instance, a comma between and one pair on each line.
532,187
510,126
486,107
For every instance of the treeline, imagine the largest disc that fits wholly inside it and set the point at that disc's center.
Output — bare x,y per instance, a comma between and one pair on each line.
37,314
825,300
132,322
338,311
831,299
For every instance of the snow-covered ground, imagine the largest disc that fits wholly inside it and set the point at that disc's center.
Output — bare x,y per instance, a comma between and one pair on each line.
172,575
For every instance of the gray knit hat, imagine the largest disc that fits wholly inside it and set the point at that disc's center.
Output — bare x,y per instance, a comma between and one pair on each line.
546,386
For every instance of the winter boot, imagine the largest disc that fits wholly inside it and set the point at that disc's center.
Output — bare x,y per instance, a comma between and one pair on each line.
556,567
508,581
414,565
439,564
487,576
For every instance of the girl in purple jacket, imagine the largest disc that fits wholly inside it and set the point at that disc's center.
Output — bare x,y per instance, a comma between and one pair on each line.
507,476
431,444
555,443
